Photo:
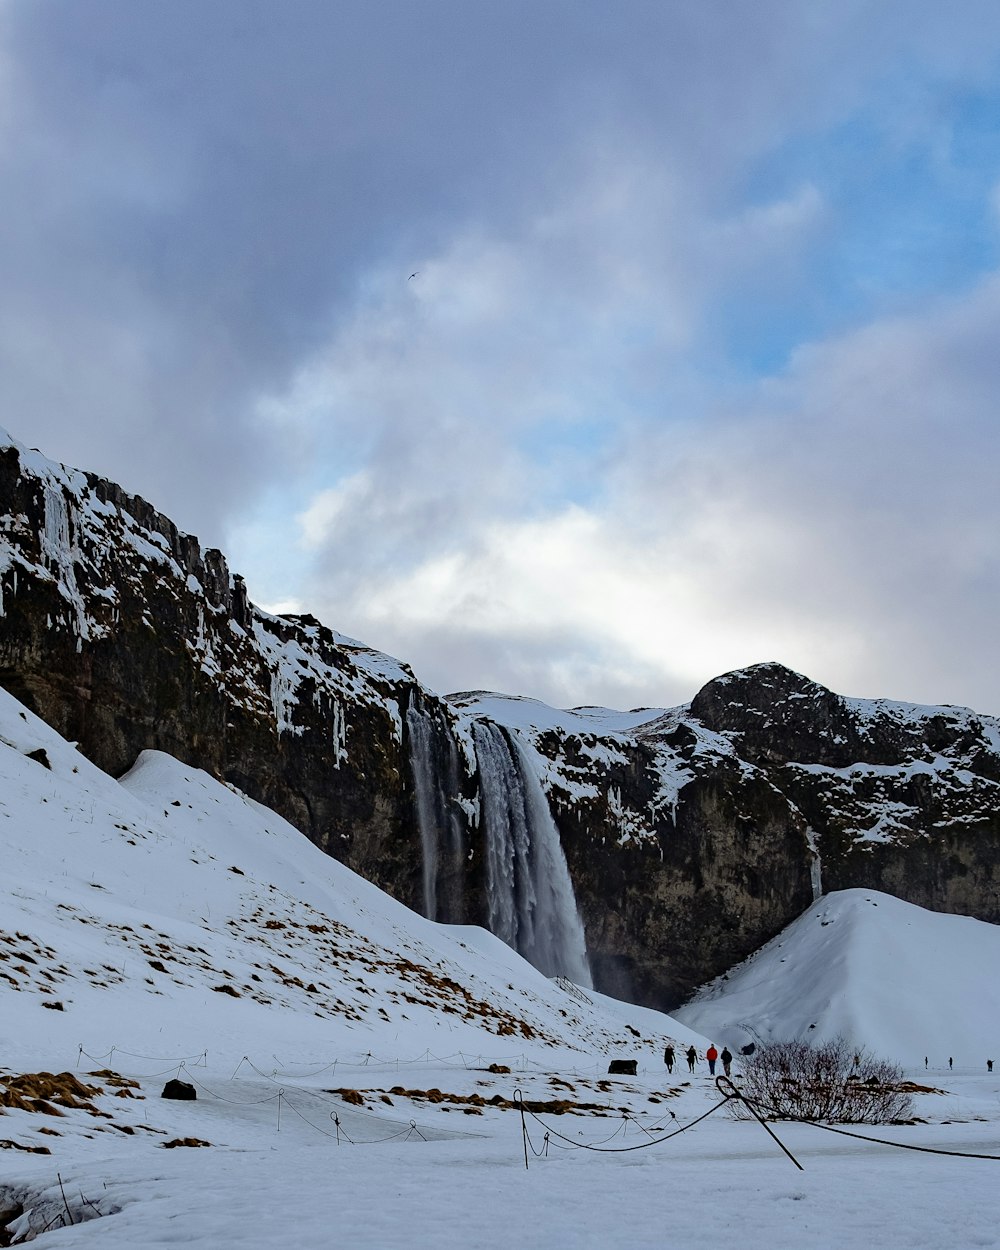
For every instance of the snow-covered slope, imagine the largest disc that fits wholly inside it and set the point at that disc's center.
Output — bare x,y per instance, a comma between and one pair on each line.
168,911
887,975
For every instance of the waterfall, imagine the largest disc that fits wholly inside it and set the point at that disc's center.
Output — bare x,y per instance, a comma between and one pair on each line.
815,864
529,892
436,789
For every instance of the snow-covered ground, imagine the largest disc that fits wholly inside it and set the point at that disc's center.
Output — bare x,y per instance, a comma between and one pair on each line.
341,1049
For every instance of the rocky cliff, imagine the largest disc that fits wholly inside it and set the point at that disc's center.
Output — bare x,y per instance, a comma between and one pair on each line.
682,839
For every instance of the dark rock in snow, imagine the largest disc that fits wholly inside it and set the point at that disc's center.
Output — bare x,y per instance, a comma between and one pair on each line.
180,1090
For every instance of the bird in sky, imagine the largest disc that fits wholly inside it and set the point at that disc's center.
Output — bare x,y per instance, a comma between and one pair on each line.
413,275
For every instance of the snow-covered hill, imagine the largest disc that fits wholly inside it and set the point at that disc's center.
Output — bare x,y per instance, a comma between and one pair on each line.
900,980
169,911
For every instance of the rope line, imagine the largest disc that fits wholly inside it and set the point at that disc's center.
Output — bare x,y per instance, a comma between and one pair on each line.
721,1084
731,1094
202,1055
446,1133
236,1102
644,1145
405,1133
878,1141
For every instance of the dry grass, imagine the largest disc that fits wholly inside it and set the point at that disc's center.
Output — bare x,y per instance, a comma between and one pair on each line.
46,1092
474,1102
7,1144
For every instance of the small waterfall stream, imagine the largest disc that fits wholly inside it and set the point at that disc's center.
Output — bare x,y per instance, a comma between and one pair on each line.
815,867
530,896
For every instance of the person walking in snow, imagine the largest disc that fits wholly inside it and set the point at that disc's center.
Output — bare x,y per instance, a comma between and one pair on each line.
727,1060
989,1065
711,1055
692,1057
668,1058
951,1062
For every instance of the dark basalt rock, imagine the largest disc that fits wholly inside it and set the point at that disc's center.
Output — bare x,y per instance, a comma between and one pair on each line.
180,1090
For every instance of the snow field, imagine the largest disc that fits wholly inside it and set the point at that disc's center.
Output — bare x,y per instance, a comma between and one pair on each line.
261,1186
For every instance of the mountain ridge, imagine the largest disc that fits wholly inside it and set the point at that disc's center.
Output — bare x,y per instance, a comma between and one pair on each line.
691,835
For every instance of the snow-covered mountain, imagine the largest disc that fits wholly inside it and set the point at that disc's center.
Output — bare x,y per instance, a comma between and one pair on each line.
648,850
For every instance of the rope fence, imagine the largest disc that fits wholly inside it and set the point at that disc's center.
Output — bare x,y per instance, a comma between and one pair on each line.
730,1094
655,1134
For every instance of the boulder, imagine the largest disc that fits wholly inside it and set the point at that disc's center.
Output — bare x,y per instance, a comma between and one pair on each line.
623,1067
180,1090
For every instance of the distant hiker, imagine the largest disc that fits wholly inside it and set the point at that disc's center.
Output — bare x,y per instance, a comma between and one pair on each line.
692,1056
950,1061
857,1059
925,1062
668,1058
711,1055
989,1065
727,1060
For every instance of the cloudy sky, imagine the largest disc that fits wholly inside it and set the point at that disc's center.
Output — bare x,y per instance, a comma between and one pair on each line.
700,364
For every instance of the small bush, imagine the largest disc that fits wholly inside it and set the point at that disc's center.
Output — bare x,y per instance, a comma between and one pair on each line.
797,1081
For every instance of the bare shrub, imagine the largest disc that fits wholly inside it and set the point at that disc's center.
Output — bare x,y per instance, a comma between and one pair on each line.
797,1081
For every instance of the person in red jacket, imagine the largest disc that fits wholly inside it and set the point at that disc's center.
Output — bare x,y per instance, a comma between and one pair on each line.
711,1055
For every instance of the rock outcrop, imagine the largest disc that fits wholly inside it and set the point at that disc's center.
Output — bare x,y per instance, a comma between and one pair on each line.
691,835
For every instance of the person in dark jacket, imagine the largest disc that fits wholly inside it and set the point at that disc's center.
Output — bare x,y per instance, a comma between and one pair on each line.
727,1060
692,1057
668,1058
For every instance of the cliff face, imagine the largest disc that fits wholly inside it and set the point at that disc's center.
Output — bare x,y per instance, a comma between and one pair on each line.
122,634
691,835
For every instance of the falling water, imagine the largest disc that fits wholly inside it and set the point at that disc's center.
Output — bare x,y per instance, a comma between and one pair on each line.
529,891
436,786
815,867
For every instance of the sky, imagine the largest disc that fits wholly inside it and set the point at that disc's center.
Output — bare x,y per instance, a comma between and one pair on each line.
559,348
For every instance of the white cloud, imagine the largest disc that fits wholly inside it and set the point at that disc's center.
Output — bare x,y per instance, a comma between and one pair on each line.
838,520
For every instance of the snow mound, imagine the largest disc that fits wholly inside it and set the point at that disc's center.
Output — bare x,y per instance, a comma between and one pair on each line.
887,975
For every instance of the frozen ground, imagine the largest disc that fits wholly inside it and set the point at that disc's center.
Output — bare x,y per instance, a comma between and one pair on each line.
165,926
